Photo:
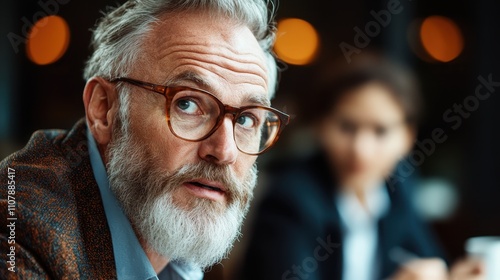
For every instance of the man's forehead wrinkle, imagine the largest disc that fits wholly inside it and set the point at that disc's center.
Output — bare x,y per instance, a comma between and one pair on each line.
210,47
213,86
234,59
252,74
199,80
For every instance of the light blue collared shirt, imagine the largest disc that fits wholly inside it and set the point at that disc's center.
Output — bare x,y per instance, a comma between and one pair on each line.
360,230
130,259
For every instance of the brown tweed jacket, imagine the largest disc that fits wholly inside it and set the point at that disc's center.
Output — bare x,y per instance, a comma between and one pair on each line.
61,230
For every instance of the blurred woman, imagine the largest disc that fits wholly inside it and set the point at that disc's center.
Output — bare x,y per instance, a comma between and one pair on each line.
346,211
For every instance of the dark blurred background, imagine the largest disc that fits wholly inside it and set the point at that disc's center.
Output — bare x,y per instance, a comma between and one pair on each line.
448,44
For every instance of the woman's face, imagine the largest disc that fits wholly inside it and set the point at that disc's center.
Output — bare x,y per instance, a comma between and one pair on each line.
365,135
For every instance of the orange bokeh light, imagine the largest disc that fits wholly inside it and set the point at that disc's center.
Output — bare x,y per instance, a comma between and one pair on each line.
48,40
441,38
297,41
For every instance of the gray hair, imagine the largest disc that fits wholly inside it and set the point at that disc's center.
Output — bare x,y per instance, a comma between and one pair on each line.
118,36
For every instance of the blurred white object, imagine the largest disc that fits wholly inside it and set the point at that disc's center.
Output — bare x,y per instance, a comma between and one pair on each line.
436,199
486,248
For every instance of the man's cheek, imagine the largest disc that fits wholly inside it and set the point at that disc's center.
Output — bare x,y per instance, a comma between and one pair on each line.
243,172
173,155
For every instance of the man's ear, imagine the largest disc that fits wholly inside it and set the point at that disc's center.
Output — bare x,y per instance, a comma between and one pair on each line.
101,104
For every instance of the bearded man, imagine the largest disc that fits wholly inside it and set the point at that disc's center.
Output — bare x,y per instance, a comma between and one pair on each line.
154,183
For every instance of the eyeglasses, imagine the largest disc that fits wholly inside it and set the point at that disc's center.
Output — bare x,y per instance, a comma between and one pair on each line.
194,115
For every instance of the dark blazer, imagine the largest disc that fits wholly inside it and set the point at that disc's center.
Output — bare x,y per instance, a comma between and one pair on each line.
61,230
297,233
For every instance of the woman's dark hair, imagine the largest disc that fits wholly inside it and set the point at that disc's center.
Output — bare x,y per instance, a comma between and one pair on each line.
340,78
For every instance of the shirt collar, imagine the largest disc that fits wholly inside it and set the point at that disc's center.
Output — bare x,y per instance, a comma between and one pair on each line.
354,215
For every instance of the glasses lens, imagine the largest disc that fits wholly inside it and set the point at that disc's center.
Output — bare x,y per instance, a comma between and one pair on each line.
255,130
193,114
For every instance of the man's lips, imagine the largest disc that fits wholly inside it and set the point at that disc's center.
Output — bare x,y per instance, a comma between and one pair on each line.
206,189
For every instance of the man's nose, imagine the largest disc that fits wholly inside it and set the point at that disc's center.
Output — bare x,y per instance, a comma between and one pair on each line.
220,147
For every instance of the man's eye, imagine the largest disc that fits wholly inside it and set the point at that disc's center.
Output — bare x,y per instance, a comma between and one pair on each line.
246,121
187,106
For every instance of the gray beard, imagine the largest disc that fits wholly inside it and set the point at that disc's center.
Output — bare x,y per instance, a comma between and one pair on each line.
201,231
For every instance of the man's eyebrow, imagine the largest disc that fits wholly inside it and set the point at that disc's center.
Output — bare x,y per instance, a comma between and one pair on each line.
259,100
195,78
